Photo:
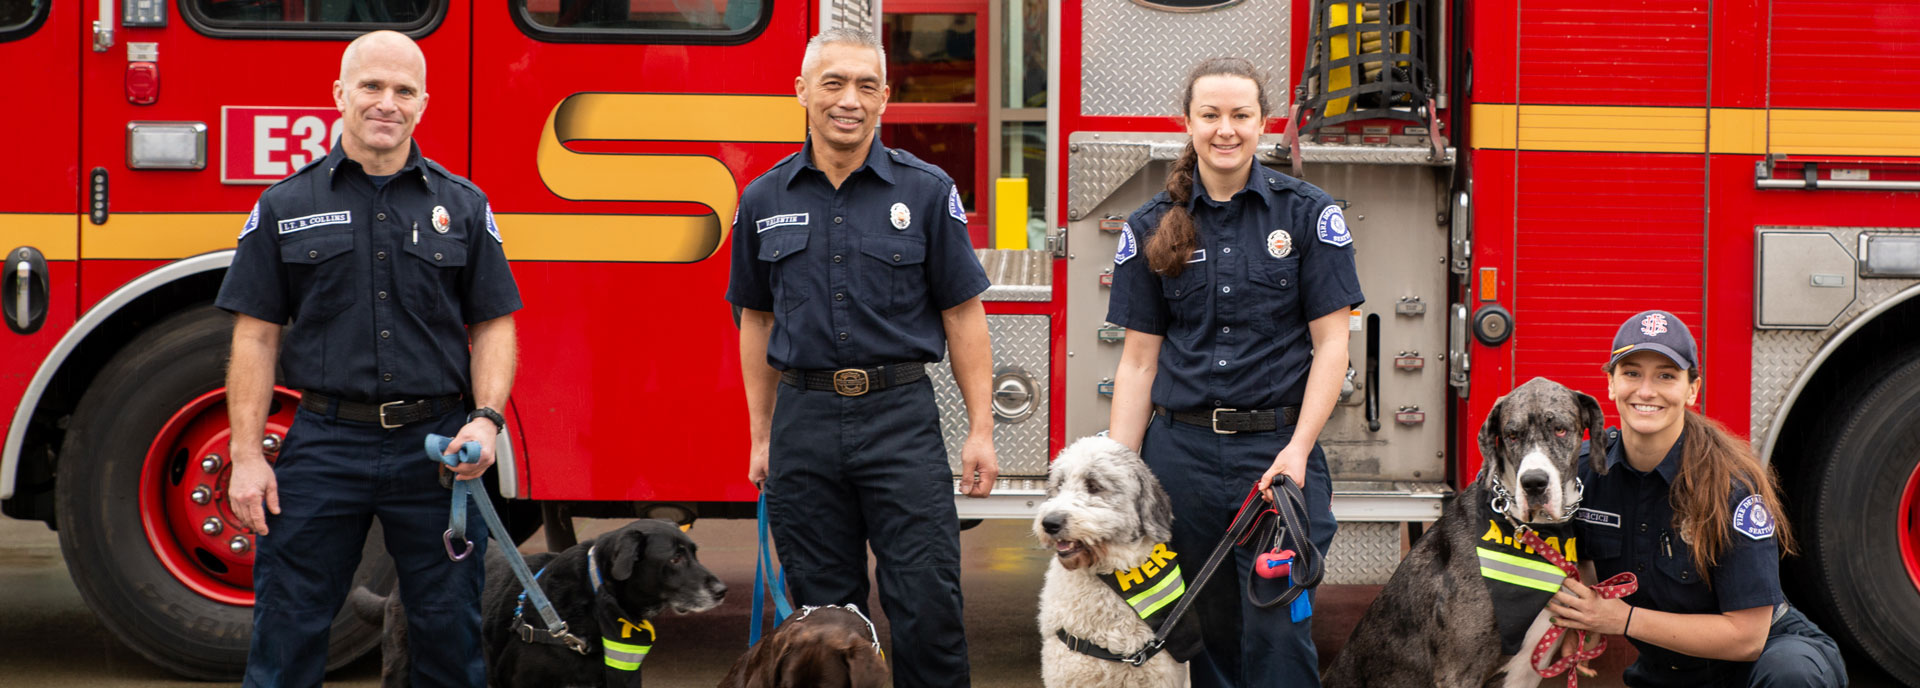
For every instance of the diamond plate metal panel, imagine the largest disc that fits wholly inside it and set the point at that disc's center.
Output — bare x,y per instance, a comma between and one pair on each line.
1363,554
1019,341
1017,275
1095,170
1780,357
1135,58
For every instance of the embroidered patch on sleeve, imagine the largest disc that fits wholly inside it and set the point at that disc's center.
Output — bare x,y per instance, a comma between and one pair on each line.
959,212
1602,518
253,221
1333,227
1128,246
492,228
1751,518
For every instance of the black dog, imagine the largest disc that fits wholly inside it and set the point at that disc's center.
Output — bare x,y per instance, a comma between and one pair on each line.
1439,622
648,566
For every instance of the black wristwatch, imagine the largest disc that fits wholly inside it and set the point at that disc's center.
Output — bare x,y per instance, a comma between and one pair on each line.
499,421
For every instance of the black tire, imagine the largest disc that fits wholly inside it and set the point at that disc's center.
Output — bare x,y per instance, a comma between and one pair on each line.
101,530
1860,590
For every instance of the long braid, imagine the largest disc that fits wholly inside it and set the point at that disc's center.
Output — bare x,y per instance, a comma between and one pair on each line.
1175,239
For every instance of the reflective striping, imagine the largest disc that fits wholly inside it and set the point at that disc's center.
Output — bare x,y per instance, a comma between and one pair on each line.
1743,131
1737,131
624,656
1169,589
1495,125
1612,129
1523,572
158,236
1843,132
55,235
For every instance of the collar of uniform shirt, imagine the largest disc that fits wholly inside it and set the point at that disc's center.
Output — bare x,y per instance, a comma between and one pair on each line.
1669,467
1257,182
879,159
337,159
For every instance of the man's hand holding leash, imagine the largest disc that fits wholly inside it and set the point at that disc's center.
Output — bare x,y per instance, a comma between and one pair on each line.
478,430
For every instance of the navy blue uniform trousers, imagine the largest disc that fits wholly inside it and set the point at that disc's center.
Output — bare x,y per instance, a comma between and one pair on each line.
1207,476
1798,655
334,478
846,470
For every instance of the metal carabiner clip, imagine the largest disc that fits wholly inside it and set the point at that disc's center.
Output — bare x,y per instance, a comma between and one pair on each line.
447,539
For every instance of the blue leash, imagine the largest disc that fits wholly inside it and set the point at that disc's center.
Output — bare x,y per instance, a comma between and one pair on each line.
768,578
457,530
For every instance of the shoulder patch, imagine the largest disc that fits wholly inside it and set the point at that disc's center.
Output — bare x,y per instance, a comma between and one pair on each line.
1332,227
1129,247
253,221
954,208
492,228
1752,519
1597,517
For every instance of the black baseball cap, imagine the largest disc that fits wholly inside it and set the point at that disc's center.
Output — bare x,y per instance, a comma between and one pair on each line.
1660,332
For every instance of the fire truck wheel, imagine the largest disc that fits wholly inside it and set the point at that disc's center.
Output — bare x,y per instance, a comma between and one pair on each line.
161,563
1863,540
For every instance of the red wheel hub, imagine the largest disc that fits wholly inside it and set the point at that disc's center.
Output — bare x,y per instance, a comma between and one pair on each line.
1909,526
183,496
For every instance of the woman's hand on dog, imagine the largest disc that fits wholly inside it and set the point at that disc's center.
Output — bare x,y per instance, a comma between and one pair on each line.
477,430
1291,461
1578,607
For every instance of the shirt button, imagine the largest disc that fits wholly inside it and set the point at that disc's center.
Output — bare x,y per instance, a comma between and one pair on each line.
382,295
843,336
1640,567
380,216
1226,290
1225,330
839,296
384,334
1216,402
436,256
1227,250
1223,363
836,259
1283,281
380,256
386,377
313,254
836,219
896,257
776,252
1643,527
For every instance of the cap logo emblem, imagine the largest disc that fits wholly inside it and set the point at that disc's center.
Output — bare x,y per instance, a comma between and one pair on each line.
1654,325
441,220
901,216
1279,243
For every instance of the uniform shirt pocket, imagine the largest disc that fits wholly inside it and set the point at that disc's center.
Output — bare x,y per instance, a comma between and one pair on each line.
1675,561
788,276
430,279
1277,291
321,281
1598,545
892,278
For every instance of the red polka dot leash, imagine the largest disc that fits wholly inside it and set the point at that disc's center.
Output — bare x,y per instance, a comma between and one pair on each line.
1619,586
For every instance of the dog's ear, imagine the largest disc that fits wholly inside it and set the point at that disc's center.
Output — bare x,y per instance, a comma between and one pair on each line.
865,670
1596,422
628,546
1490,435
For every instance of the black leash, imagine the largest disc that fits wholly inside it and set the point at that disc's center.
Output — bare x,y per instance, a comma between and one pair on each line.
1308,562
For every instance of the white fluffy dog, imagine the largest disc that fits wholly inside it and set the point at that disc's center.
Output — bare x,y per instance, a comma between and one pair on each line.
1104,512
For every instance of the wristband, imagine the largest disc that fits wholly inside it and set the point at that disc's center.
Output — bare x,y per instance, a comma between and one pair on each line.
1629,625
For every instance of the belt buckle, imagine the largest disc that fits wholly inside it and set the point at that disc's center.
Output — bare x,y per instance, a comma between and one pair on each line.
1216,422
850,382
383,415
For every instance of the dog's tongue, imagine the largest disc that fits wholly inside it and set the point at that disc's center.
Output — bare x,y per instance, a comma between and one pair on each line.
1064,545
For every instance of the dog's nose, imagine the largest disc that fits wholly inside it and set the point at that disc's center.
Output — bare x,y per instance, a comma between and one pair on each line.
719,590
1534,482
1053,523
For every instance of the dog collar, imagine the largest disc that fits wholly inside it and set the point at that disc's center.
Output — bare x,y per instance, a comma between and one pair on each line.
1503,501
871,633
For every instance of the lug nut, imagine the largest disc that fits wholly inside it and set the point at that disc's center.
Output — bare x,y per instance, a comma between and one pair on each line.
270,444
212,463
212,526
239,544
201,495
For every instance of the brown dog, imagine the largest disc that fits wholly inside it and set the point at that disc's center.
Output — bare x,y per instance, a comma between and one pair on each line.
820,647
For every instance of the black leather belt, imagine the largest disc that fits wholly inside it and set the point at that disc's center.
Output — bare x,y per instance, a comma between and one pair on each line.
392,414
1228,421
853,382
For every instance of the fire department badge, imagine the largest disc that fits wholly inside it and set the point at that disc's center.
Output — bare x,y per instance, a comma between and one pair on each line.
1654,325
1751,518
901,217
253,221
1279,243
1333,227
441,220
494,229
1129,247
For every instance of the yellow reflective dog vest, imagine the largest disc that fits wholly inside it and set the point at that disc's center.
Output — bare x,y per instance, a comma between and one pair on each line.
1152,589
624,643
1519,580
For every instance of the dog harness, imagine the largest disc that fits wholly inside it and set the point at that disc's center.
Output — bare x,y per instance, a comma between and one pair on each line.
622,656
1151,589
1519,578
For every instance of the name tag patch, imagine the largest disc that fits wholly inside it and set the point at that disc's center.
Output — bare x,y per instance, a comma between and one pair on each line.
1333,227
311,221
1751,518
1602,518
766,223
1199,256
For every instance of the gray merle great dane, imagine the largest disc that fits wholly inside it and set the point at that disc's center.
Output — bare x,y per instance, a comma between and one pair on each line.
1468,596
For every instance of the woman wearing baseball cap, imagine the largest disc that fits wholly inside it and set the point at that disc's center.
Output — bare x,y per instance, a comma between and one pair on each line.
1683,504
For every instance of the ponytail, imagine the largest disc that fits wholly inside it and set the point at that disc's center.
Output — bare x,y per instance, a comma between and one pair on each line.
1174,241
1713,462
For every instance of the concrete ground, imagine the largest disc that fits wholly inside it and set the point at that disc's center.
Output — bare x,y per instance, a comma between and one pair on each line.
49,639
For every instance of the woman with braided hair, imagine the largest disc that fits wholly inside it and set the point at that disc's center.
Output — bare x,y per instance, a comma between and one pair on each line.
1234,285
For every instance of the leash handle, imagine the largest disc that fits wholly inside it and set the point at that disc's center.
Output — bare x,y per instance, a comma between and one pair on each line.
436,446
769,582
1308,566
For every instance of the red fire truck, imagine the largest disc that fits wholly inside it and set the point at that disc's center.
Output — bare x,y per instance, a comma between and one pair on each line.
1520,177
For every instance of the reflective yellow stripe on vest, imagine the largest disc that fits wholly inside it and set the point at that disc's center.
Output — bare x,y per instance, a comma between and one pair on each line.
1521,571
1161,595
628,656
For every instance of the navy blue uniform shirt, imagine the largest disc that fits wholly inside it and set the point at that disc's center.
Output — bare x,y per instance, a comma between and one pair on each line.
855,276
374,285
1625,523
1271,258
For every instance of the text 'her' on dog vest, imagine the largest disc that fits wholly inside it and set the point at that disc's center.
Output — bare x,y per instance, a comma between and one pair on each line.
1519,580
1152,589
